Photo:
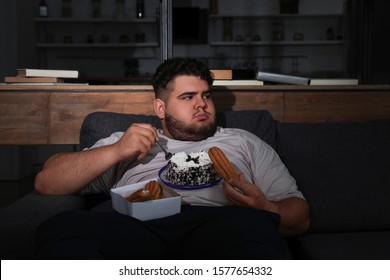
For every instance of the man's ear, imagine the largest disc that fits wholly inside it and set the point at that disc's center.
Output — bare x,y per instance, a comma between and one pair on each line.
159,108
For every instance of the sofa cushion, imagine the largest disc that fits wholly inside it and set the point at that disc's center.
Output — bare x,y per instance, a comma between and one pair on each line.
19,220
259,122
343,169
366,245
99,125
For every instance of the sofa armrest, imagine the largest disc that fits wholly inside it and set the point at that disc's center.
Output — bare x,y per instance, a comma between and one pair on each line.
19,221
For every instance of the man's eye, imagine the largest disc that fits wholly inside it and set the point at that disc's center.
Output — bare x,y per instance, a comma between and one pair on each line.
187,97
207,96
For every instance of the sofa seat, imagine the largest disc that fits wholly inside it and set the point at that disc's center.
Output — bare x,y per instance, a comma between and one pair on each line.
20,220
364,245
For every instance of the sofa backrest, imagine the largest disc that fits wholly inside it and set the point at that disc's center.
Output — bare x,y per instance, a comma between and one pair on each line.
99,125
343,169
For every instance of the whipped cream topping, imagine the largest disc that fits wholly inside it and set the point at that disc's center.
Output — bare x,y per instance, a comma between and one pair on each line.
194,159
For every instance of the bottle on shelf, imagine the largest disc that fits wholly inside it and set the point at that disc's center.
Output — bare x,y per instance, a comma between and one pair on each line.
67,8
43,9
227,29
213,7
140,9
96,9
278,31
120,9
330,35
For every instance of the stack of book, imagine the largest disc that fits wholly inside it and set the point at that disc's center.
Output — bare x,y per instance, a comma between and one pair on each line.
41,77
275,78
227,77
231,77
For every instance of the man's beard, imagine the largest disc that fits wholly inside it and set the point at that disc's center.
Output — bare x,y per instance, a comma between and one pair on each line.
180,131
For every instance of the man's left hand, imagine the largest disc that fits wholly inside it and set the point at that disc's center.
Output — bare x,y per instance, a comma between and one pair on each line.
239,192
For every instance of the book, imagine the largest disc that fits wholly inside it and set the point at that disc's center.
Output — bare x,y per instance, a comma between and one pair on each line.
48,73
282,79
224,74
238,83
19,79
45,84
233,74
336,82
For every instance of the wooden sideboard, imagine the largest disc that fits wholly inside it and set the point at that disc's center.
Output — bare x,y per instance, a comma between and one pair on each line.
32,115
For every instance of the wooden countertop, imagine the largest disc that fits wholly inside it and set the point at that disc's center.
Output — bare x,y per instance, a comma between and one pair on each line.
54,114
83,87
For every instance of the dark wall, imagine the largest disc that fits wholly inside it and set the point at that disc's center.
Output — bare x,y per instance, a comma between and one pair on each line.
369,44
380,42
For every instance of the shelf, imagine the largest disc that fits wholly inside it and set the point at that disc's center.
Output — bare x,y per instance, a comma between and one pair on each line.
94,20
278,16
275,43
96,45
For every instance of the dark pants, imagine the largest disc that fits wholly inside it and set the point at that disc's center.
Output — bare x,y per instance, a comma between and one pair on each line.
228,232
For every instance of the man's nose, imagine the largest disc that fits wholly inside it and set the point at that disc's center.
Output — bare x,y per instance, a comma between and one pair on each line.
200,102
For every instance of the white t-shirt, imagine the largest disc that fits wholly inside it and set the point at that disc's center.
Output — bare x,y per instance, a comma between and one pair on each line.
250,155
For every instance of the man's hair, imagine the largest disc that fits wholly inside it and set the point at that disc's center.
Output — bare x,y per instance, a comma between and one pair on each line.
171,68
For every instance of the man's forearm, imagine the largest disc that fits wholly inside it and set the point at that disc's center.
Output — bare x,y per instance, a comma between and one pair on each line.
294,213
68,173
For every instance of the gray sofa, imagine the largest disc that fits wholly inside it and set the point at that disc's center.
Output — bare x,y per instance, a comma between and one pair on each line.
343,169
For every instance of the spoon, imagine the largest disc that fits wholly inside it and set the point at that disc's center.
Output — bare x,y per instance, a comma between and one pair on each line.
167,154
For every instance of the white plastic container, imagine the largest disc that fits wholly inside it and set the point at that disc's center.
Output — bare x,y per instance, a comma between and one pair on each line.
147,210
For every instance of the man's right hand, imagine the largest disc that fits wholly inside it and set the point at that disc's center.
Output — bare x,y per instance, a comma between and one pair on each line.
68,172
137,141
